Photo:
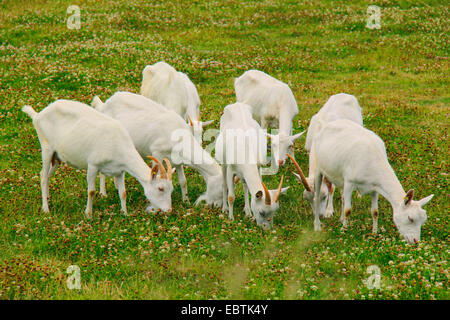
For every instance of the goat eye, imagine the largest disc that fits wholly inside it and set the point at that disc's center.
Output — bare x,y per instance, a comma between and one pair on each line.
161,189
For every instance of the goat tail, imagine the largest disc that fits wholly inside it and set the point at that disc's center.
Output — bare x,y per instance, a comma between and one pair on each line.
96,102
147,75
30,111
147,70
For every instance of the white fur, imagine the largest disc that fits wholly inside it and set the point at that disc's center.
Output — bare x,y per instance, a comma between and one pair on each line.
238,117
174,90
353,157
151,126
75,133
338,106
273,105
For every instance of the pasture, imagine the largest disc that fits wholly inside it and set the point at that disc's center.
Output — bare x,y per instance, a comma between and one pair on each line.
399,73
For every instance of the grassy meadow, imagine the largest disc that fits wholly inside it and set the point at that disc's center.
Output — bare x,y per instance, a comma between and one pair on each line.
399,73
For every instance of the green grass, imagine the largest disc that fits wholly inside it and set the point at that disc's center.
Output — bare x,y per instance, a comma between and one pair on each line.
400,74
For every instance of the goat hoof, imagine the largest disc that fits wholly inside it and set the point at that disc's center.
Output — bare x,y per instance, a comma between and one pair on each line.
328,214
150,209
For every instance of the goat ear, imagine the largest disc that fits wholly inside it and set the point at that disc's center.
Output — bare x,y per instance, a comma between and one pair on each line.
259,194
409,196
154,171
299,179
328,184
284,190
425,200
207,123
296,136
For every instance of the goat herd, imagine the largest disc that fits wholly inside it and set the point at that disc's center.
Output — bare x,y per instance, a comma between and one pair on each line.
112,138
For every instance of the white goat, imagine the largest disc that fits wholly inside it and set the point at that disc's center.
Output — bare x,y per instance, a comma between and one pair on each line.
338,106
353,157
162,133
75,133
273,105
174,90
240,147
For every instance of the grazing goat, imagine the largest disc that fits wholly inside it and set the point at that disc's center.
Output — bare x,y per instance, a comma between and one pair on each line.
273,105
353,157
73,132
338,106
162,133
174,90
240,147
